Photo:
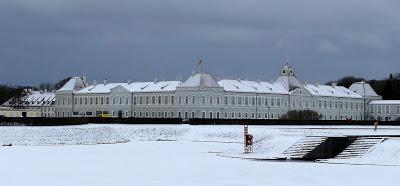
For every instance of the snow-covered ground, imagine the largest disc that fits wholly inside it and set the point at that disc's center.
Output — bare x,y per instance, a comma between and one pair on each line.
182,155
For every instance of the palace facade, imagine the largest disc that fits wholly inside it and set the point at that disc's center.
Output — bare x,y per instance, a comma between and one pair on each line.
201,96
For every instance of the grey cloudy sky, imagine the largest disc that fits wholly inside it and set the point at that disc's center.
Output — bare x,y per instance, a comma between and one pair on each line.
46,40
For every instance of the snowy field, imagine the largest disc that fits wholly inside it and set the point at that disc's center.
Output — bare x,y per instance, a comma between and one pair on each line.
183,155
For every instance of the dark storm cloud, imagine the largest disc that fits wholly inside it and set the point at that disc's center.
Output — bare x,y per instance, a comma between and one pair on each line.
46,40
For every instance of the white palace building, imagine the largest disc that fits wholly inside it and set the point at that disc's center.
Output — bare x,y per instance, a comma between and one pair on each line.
201,96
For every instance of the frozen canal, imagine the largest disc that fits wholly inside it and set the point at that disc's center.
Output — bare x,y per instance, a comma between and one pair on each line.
175,155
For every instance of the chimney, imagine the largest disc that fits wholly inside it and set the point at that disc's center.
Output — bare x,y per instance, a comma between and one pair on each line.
94,82
84,79
105,81
334,84
129,81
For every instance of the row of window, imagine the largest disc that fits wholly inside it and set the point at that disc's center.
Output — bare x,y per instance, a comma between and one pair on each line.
228,100
384,109
327,104
204,114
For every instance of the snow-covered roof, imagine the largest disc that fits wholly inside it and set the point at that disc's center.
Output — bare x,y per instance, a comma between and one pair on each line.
74,84
99,88
200,80
158,86
384,102
364,89
330,91
289,82
251,86
37,98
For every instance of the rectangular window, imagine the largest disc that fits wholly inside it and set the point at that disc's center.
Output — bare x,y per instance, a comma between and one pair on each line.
107,100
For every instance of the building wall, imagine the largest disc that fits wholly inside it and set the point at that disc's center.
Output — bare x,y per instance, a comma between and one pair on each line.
204,103
11,112
384,111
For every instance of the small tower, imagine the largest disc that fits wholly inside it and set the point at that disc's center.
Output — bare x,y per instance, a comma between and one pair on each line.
287,70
